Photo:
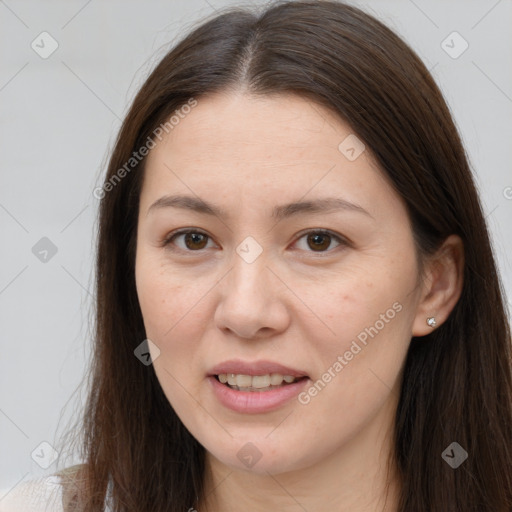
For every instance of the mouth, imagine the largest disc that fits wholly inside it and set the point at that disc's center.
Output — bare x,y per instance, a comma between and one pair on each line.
257,383
256,394
255,387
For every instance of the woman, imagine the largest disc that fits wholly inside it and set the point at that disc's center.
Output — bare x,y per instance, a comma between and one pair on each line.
297,302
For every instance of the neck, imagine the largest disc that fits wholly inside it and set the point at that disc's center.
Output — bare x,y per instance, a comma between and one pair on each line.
360,476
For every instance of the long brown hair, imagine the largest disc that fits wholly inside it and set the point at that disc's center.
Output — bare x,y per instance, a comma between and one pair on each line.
457,384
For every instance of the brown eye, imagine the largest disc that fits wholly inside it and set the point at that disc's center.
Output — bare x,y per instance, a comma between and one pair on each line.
320,241
191,240
195,240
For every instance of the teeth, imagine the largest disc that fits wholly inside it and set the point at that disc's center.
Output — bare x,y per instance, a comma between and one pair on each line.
276,379
255,381
243,381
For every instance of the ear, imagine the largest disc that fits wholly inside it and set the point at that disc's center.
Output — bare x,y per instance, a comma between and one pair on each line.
442,285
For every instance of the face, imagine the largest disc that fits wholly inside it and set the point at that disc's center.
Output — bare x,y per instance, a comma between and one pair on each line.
323,290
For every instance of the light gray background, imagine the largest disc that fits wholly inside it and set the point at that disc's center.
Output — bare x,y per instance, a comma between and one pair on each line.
58,120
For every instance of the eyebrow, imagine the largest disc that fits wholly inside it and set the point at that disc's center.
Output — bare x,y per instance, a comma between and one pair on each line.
324,205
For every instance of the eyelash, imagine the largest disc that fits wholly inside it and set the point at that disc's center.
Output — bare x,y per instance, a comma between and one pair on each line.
166,242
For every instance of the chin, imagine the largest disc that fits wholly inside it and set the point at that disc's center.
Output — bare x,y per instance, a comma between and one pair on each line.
261,456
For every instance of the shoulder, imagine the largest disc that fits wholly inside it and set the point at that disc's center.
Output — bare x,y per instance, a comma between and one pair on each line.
37,495
63,491
72,483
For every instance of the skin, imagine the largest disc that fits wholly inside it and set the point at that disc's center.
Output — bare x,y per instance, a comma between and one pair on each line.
295,304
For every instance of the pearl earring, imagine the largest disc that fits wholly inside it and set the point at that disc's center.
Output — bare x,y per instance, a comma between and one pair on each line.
431,321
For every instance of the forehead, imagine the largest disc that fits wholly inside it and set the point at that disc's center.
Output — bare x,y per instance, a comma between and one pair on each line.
224,127
284,145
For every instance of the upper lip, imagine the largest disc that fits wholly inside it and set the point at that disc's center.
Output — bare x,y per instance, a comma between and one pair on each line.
262,367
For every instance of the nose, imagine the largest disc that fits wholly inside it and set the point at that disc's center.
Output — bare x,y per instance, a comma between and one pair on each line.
252,304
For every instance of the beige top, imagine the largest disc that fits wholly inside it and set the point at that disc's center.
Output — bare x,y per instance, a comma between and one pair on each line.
41,495
44,494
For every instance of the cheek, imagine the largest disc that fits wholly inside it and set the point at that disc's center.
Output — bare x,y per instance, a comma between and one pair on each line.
171,309
356,367
350,305
367,316
167,299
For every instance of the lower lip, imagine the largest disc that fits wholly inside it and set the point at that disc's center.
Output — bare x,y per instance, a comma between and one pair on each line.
253,402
